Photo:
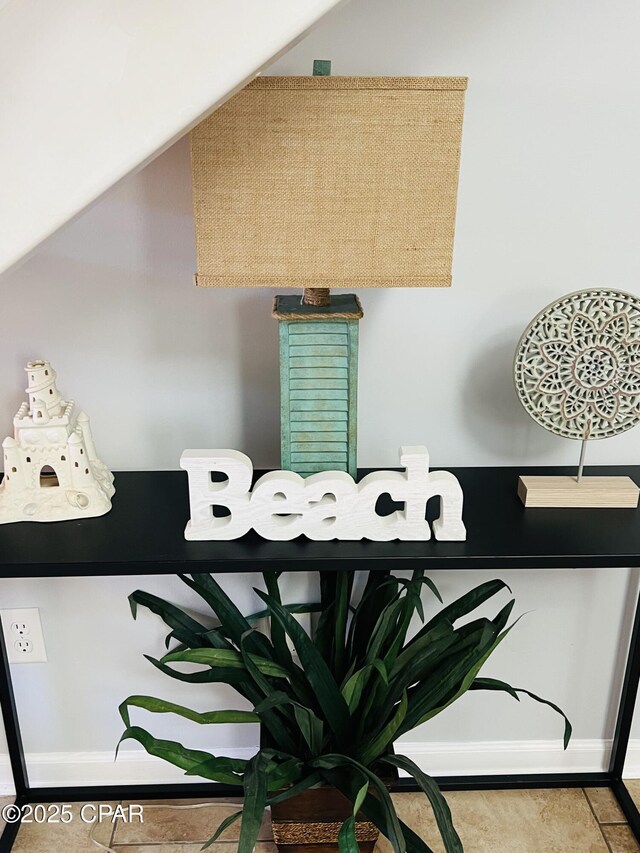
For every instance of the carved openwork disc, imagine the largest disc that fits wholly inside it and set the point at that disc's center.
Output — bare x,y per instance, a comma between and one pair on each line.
577,366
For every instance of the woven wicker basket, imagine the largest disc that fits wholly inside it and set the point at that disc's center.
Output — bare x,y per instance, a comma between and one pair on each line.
310,822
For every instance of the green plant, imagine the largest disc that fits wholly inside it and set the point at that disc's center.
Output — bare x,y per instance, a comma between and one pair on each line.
332,718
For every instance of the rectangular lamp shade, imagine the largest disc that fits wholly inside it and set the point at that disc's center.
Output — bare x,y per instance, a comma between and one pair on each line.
329,182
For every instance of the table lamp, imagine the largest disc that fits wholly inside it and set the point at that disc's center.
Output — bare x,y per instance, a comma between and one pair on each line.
324,182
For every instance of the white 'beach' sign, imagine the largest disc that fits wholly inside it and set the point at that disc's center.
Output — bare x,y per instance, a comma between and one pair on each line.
330,505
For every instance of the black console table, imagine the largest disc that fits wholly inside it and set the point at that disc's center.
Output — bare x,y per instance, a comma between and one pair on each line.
143,534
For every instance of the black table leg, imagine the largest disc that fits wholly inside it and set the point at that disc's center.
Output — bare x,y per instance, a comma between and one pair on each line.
14,743
623,728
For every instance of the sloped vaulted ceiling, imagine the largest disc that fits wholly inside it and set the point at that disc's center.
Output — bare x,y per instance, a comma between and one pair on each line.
91,90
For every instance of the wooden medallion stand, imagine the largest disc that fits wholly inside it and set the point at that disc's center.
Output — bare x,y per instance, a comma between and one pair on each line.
578,491
571,492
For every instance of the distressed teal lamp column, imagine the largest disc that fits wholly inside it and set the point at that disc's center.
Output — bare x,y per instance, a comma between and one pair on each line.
325,183
318,383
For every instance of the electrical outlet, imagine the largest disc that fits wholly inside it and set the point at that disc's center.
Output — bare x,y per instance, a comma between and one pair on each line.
23,636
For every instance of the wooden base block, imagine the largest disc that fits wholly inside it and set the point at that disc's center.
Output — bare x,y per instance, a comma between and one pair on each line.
567,492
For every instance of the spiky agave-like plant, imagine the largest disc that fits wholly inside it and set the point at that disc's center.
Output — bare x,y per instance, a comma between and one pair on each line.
332,718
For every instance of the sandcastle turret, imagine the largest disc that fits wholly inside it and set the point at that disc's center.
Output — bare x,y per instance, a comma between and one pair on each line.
45,401
13,471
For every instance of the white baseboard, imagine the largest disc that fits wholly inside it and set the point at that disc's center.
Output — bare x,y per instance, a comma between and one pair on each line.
132,767
135,767
632,764
508,757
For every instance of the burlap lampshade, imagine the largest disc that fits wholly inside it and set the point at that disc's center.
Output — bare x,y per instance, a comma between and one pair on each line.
329,182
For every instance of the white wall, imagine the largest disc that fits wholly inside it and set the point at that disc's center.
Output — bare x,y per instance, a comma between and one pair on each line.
109,84
548,204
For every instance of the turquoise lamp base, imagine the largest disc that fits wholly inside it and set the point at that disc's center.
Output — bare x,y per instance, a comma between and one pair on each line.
318,383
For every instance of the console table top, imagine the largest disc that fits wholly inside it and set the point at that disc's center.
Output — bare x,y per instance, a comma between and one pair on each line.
143,534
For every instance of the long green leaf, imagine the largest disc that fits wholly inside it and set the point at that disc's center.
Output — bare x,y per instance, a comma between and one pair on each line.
359,800
285,774
283,728
312,607
411,604
160,706
440,807
281,649
231,619
227,675
325,628
226,658
434,589
323,636
471,600
422,581
380,589
385,629
453,677
278,637
352,690
415,844
371,810
216,638
258,671
310,726
447,682
384,633
442,629
447,668
477,660
462,606
503,616
386,736
184,628
316,671
255,800
210,767
347,842
494,684
431,671
226,823
241,681
423,660
220,769
303,785
343,587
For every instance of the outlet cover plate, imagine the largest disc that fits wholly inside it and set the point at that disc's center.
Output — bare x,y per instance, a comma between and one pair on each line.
29,616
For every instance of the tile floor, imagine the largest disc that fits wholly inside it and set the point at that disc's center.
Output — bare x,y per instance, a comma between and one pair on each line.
547,821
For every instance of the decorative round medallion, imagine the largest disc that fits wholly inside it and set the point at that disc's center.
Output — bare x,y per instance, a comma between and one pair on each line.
577,366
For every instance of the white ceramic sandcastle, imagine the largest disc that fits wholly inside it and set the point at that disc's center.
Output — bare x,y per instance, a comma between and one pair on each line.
51,469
